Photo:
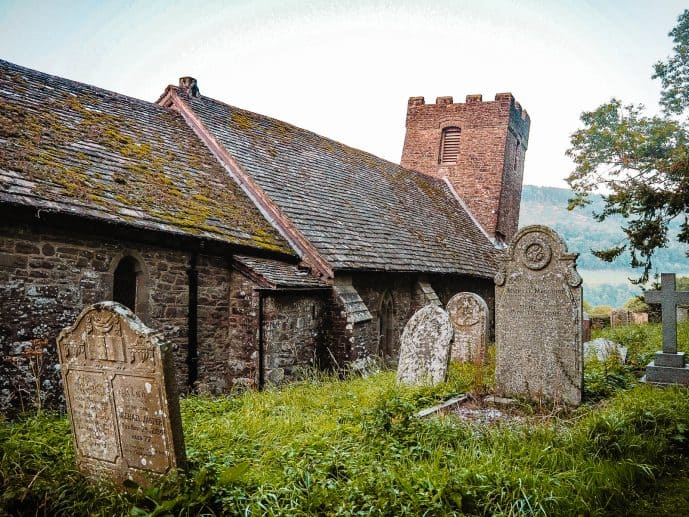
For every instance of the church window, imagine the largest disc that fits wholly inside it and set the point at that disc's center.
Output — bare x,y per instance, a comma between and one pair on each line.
125,282
449,146
386,326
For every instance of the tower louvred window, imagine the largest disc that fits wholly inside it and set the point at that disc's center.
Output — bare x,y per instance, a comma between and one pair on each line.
449,147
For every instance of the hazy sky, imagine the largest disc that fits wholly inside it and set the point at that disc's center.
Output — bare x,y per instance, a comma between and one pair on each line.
346,69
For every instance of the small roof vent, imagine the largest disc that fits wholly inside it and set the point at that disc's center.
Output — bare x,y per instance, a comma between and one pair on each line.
190,86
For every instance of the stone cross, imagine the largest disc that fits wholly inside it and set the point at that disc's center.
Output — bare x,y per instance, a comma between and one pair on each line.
121,396
668,299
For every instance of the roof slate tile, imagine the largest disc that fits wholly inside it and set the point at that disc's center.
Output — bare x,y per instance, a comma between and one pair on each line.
358,210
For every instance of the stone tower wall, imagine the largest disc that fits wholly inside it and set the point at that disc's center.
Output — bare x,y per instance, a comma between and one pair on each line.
485,175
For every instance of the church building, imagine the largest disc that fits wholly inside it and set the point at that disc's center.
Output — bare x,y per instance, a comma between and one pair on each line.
259,249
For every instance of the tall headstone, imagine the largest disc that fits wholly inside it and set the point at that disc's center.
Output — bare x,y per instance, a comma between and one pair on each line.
668,366
538,319
425,347
121,396
469,317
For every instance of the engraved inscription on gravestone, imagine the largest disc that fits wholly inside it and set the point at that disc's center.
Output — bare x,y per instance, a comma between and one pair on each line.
538,319
469,316
425,347
121,396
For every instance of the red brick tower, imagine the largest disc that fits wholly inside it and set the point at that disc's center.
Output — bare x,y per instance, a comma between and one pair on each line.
479,146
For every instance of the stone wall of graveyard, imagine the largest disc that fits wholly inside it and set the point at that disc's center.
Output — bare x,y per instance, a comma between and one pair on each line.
489,169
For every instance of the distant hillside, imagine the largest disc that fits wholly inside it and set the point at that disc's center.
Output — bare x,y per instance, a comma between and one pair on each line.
604,283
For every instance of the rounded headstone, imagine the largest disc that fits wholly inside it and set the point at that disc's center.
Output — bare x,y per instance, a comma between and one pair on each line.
425,347
538,319
469,317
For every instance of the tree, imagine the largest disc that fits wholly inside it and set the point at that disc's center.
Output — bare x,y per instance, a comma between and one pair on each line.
640,162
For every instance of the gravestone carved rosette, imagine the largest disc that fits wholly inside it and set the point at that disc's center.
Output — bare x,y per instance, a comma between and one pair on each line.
121,396
469,316
538,319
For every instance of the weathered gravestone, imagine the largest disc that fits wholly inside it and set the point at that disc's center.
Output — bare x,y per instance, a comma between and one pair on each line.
469,317
538,319
425,347
668,366
121,396
620,318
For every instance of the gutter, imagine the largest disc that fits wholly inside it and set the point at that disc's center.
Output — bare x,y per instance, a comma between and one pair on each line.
192,322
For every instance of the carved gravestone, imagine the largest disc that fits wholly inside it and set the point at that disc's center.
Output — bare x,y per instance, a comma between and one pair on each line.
538,319
469,317
425,347
121,396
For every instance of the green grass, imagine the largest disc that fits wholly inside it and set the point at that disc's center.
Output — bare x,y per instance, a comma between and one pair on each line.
354,447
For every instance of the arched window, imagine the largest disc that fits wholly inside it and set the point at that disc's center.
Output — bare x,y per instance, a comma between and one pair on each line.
386,327
126,282
449,145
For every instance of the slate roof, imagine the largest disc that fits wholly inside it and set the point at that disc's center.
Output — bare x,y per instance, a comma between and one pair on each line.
361,212
73,148
280,274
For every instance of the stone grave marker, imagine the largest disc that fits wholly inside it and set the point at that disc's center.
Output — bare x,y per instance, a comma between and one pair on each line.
121,396
425,347
586,327
469,317
668,366
620,318
538,319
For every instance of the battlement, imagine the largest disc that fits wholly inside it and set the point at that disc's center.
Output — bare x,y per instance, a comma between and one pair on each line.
504,107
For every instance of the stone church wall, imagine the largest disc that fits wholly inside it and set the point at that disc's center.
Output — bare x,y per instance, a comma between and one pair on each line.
46,279
295,334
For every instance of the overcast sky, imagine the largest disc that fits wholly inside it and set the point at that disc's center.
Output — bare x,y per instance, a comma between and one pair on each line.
345,69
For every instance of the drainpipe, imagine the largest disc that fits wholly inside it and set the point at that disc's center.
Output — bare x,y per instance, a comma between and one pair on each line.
192,323
261,352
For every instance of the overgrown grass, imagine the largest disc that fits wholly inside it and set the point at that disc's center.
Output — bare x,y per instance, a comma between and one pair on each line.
354,447
602,379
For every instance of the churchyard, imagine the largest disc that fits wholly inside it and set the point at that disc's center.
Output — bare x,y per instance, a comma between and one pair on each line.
526,426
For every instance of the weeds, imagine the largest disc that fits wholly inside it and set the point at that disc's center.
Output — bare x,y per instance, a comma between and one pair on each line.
355,447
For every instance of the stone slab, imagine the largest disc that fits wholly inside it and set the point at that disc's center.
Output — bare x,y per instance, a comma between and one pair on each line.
670,360
469,316
665,375
603,349
538,319
448,404
121,396
425,347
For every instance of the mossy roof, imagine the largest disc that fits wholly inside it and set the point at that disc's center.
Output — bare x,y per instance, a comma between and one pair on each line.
280,274
361,212
77,149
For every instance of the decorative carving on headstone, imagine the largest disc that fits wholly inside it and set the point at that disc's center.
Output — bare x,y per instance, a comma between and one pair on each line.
469,316
538,319
668,366
425,347
121,396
